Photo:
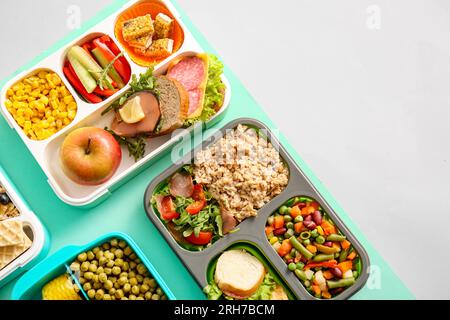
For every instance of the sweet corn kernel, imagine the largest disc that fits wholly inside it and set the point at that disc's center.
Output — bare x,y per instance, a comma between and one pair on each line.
41,105
273,240
320,230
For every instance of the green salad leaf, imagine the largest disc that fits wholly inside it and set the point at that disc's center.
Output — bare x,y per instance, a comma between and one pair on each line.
215,91
264,291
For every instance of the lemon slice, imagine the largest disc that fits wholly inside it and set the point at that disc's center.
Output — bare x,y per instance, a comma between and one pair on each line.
132,111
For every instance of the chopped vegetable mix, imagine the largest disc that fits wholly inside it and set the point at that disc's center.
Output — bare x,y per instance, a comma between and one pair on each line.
313,248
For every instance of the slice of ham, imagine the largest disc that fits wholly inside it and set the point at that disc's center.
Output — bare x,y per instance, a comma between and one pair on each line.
229,222
190,72
181,185
150,106
159,198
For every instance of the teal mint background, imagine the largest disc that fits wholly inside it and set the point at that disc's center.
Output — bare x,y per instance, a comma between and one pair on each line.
124,211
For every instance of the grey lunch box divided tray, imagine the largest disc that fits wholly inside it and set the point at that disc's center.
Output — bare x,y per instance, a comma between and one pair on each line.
252,230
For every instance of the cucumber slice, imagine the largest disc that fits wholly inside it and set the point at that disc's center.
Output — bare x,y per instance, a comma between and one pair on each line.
89,64
112,71
85,77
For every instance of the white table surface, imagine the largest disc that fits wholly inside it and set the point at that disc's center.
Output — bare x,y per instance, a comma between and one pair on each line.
360,88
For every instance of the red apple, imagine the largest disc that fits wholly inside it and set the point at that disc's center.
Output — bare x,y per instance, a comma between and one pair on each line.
90,156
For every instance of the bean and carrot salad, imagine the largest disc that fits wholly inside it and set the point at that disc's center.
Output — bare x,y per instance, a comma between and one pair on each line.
313,248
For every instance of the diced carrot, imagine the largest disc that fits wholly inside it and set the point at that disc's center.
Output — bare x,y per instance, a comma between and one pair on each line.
316,289
285,248
328,228
345,266
327,274
345,244
352,255
337,246
295,211
311,248
307,210
269,230
320,230
298,227
326,295
278,222
315,205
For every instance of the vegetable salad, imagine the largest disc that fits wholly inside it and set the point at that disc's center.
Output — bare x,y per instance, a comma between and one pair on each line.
194,221
313,248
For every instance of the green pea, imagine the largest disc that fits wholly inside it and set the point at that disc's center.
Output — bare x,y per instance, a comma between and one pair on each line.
90,255
287,218
320,240
289,233
159,292
97,285
290,225
91,294
92,267
283,210
88,275
155,297
122,281
108,285
126,288
144,288
298,218
87,286
95,250
85,266
127,251
107,297
292,266
133,281
139,278
116,271
106,246
119,294
119,253
135,290
306,242
122,244
148,295
82,257
114,242
99,294
99,254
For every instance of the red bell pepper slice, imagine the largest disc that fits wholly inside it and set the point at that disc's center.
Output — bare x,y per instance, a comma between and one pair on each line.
78,86
121,67
203,238
106,92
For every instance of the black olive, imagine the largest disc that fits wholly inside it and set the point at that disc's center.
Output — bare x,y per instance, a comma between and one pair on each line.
4,199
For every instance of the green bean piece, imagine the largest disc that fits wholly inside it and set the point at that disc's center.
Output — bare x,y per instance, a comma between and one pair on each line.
358,265
290,202
300,274
323,257
304,199
299,247
342,283
336,237
300,265
343,255
305,235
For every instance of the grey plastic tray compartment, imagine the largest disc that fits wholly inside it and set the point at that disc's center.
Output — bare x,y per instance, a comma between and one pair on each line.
253,229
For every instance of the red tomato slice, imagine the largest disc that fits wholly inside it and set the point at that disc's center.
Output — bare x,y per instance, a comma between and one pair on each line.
203,238
196,207
168,209
198,194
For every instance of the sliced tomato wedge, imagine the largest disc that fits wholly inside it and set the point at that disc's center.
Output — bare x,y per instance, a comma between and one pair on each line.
168,209
198,194
204,237
196,207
